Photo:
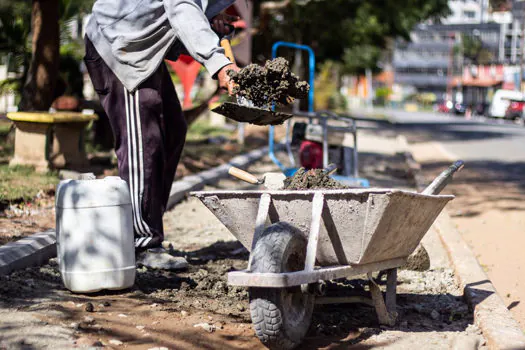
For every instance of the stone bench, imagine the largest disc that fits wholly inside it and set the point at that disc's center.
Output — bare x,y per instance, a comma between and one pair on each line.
50,140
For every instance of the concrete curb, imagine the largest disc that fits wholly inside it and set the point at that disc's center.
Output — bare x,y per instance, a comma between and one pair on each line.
180,188
491,315
36,249
30,251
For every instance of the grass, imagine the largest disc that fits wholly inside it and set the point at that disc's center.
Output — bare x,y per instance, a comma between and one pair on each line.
22,183
201,129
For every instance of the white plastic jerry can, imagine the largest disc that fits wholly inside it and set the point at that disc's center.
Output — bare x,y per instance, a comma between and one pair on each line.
95,245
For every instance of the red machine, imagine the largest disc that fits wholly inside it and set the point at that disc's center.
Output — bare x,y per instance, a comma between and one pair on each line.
311,155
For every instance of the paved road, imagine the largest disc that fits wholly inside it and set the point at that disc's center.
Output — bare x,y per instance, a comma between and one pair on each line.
472,140
489,209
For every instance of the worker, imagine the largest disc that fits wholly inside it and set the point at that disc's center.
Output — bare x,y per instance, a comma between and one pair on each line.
126,43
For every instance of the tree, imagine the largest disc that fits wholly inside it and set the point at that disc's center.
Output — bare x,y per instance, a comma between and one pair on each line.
350,31
473,51
39,87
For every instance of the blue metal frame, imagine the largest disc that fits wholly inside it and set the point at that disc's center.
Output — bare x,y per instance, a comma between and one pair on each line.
311,66
311,69
290,171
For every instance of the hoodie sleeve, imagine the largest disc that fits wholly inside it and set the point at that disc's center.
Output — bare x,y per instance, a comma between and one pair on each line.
193,29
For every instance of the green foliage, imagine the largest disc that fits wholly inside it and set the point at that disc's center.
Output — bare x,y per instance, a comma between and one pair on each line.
71,8
360,57
472,49
15,25
71,81
349,31
327,95
382,95
10,85
337,102
15,44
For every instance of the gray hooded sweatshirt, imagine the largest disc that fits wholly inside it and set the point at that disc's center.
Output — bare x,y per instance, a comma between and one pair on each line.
134,36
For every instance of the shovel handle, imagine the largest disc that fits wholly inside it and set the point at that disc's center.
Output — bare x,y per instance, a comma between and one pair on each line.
244,176
228,52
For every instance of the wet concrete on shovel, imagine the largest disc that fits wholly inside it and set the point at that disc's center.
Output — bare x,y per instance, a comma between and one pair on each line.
273,82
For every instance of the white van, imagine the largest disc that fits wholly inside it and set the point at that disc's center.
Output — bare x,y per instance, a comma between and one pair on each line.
501,101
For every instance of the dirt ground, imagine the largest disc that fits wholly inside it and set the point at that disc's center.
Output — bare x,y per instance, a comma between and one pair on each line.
196,309
23,219
488,212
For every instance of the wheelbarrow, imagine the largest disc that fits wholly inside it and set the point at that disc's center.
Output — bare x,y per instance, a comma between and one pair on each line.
300,239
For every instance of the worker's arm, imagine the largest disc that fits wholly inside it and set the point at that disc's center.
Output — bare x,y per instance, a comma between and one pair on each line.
202,43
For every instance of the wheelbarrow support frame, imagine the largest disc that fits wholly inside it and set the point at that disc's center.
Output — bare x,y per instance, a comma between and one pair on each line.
311,276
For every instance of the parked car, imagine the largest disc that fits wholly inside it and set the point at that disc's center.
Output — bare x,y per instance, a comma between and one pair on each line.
515,110
501,101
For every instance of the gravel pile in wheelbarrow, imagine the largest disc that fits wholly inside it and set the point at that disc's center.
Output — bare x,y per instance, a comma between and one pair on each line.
311,179
273,82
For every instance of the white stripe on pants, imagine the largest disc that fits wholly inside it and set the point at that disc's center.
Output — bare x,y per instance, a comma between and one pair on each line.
136,166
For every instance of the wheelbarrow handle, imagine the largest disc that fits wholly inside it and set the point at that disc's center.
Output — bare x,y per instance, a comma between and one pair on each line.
443,179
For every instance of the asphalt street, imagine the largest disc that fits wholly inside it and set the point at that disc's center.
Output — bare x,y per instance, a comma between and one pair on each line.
479,139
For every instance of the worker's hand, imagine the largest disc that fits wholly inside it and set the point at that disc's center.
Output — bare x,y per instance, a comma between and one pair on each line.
225,81
220,23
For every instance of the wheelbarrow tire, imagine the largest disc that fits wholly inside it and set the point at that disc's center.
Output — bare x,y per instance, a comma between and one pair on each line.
280,316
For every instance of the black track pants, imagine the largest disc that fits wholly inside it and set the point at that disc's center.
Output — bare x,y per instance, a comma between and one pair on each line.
149,130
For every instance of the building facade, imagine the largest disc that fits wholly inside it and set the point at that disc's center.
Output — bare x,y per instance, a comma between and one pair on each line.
438,54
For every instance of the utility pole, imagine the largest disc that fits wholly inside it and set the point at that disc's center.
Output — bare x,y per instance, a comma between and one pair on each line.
368,74
522,52
450,66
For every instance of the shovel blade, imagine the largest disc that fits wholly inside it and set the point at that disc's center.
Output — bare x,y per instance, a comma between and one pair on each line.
252,115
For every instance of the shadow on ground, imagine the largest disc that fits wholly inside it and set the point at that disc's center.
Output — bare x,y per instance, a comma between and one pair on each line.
447,130
162,297
483,185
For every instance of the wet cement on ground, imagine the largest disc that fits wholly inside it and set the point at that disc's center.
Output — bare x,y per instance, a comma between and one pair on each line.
273,82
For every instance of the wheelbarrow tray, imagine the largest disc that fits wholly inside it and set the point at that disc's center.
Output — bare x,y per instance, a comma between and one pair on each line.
357,226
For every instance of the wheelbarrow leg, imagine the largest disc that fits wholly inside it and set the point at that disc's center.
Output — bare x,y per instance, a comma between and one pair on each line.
391,288
384,311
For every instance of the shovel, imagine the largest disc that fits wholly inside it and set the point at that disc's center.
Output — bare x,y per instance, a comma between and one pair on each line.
243,111
272,181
